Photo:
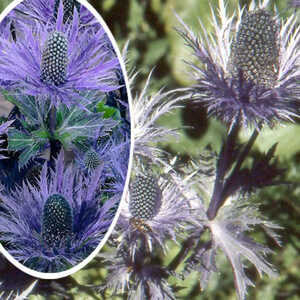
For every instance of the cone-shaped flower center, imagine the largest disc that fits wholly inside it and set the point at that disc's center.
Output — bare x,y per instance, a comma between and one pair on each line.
145,197
255,52
68,9
54,59
92,160
57,220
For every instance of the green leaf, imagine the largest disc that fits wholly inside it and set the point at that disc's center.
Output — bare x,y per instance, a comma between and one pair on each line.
18,140
36,112
74,122
108,111
41,133
29,144
28,153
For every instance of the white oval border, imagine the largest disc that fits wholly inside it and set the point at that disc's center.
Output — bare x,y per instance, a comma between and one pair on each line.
111,228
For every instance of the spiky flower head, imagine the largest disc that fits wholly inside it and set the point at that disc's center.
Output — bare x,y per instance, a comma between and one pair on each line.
57,223
47,11
54,59
247,69
56,226
155,210
92,160
62,62
145,197
140,278
256,49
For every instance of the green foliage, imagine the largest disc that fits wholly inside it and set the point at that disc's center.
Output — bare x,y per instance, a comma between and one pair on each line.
35,134
73,124
108,111
41,123
29,144
35,112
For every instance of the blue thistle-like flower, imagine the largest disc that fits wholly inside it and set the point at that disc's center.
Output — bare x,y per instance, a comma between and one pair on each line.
139,278
145,198
249,66
46,12
100,150
60,63
56,226
57,223
155,209
92,160
54,59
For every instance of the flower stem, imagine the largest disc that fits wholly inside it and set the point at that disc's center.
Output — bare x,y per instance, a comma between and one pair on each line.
224,163
55,145
245,152
187,245
230,185
223,190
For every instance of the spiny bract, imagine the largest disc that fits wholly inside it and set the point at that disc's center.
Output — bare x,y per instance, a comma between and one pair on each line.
54,59
255,51
57,223
68,9
145,197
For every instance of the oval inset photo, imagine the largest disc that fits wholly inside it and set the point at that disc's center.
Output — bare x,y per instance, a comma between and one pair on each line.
64,133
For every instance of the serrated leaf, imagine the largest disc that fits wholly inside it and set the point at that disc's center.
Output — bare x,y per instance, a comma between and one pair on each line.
29,144
28,153
18,140
74,122
33,110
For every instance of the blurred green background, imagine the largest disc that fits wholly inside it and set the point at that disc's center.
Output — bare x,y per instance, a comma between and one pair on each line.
149,25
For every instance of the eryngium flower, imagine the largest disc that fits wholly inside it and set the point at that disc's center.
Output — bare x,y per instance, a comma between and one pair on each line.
57,223
59,63
54,59
138,278
152,222
248,69
145,197
255,51
67,199
46,12
92,160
